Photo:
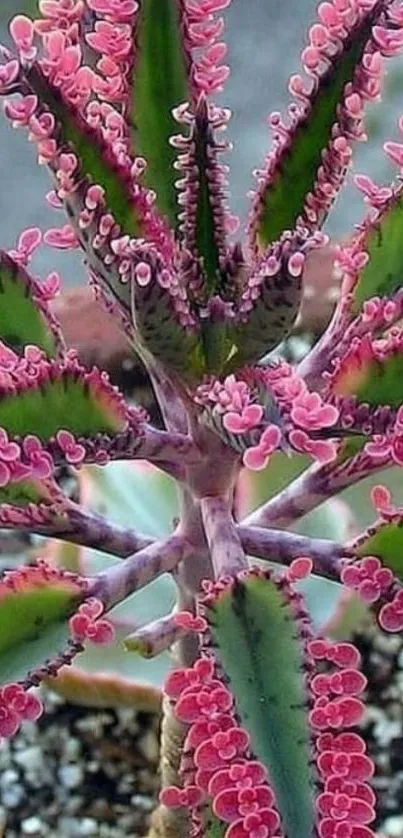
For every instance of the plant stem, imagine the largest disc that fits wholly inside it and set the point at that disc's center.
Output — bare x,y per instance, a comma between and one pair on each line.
225,545
283,547
88,530
117,582
156,637
308,491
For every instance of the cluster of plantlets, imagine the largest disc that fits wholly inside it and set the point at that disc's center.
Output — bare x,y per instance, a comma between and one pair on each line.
116,97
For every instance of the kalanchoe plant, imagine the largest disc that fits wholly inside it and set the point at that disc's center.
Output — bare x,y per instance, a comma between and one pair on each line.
116,97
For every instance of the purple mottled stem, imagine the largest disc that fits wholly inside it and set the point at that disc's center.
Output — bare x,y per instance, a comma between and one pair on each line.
116,583
160,446
169,451
97,532
154,638
283,547
313,487
88,530
226,550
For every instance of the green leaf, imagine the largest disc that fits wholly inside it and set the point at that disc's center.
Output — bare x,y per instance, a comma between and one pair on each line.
283,198
160,83
45,411
253,629
161,334
87,145
213,827
21,320
24,492
205,223
34,625
385,541
382,275
372,380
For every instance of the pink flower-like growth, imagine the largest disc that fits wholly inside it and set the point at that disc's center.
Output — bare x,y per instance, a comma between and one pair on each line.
87,625
322,450
381,499
189,622
22,31
299,569
368,578
257,456
311,413
73,451
63,238
391,614
9,457
40,462
17,706
345,803
27,244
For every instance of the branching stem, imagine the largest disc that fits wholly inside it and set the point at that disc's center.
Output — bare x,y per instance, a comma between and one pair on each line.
116,583
283,547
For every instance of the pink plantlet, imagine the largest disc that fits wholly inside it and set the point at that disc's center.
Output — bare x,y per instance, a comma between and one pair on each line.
86,625
185,620
73,452
299,569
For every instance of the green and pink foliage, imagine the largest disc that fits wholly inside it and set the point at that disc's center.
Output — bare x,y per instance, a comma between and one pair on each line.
162,557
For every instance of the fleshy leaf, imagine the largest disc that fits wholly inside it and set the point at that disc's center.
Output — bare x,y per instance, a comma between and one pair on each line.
24,314
100,689
36,505
164,323
202,190
271,297
79,137
214,828
35,606
371,371
44,405
385,541
292,173
160,83
380,237
101,194
267,683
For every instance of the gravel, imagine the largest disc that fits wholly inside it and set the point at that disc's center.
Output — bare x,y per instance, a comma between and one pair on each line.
382,663
79,773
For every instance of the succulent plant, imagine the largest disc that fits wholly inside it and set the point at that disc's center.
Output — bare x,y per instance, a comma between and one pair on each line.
258,734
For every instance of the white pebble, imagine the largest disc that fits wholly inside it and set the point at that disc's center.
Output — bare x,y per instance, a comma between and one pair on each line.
87,827
71,776
32,826
30,759
394,826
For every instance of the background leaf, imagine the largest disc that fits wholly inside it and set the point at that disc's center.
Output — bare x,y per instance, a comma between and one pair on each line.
383,273
21,321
